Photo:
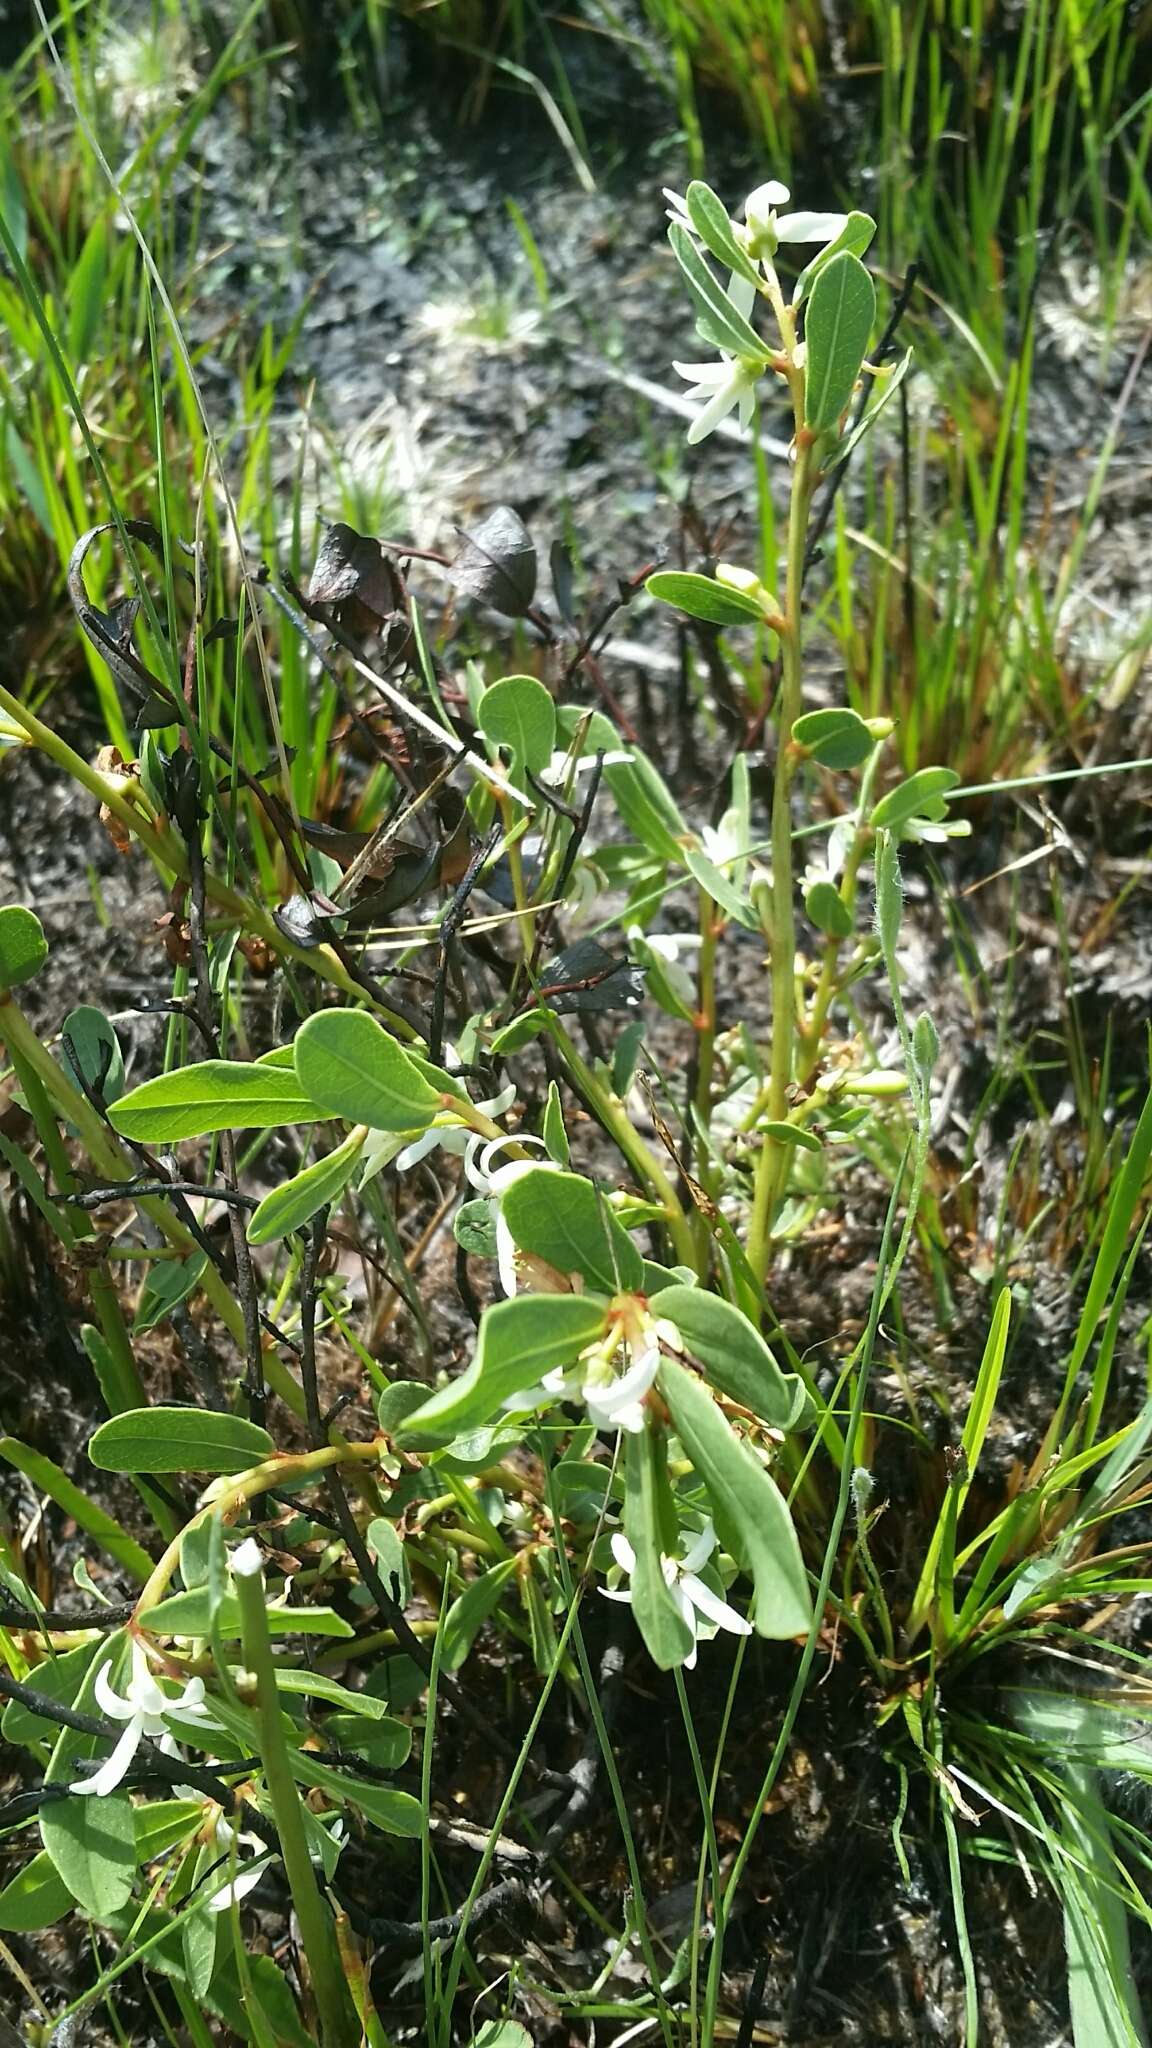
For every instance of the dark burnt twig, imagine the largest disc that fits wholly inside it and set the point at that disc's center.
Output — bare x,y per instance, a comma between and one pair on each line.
61,1620
753,2003
407,1937
450,923
586,1769
188,820
95,1198
299,621
582,822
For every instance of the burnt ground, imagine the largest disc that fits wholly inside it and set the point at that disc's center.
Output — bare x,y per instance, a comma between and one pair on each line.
455,420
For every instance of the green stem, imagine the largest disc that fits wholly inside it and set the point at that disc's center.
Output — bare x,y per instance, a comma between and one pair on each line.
711,925
812,1029
338,2028
773,1156
647,1169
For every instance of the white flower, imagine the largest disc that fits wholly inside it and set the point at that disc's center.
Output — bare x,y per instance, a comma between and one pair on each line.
727,386
143,1708
495,1181
561,763
830,867
702,1610
247,1877
453,1139
767,228
668,946
614,1400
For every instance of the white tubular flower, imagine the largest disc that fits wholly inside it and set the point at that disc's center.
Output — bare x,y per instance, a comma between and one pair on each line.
702,1610
617,1401
767,228
454,1140
247,1877
726,386
492,1180
143,1709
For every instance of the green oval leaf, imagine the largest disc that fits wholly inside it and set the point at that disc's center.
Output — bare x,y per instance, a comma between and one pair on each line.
748,1509
518,713
837,738
724,326
216,1095
791,1134
37,1897
703,598
709,216
560,1217
470,1610
96,1048
733,1354
296,1201
519,1342
179,1440
837,330
23,947
169,1282
348,1062
855,236
902,803
190,1614
641,796
828,910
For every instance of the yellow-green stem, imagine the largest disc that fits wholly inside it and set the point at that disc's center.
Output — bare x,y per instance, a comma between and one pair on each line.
337,2023
711,925
647,1169
812,1029
773,1155
282,1471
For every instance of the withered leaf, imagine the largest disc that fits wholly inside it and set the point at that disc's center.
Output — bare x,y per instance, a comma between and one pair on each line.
496,564
350,565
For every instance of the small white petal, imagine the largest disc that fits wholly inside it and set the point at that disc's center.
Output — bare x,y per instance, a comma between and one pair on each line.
506,1258
718,407
766,197
116,1767
111,1702
497,1179
622,1551
418,1149
710,1604
707,375
621,1593
810,227
247,1559
471,1170
684,1606
497,1104
611,1397
699,1550
245,1882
